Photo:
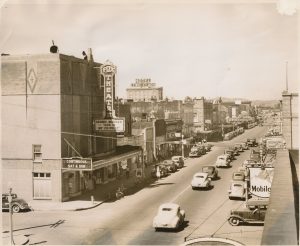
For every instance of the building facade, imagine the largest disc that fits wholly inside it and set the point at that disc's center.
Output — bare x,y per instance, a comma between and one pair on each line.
144,90
51,147
290,119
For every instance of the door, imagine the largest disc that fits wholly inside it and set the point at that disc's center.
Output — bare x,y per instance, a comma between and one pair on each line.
42,186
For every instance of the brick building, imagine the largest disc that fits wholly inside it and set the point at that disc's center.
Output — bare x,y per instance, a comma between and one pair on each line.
144,90
49,106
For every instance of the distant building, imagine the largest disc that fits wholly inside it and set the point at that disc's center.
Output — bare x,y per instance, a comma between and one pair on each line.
290,119
144,90
203,114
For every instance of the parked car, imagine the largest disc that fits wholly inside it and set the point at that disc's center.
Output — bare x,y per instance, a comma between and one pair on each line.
244,170
194,153
169,216
17,204
239,147
230,153
249,163
248,214
161,169
234,149
245,146
251,142
200,180
238,176
211,170
178,161
207,147
169,165
237,189
222,161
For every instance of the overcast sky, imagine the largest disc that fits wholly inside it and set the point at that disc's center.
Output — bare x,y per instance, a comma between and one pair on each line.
191,49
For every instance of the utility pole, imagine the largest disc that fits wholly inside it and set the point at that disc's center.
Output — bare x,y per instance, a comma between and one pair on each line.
182,147
10,216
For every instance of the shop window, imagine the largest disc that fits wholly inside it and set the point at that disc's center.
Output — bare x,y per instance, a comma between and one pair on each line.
42,175
37,153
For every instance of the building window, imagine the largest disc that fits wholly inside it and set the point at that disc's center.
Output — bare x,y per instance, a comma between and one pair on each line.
37,153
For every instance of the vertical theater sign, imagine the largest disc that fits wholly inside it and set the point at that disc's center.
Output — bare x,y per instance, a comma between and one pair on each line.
108,71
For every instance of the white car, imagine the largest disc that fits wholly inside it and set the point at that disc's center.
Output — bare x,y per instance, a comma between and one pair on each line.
223,161
237,190
169,216
201,180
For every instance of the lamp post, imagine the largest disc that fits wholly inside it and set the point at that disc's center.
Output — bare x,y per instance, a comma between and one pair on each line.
10,215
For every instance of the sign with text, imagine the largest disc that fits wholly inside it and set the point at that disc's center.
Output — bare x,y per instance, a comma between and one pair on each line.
261,181
77,164
110,125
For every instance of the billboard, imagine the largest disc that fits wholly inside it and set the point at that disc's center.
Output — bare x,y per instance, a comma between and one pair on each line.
261,181
110,125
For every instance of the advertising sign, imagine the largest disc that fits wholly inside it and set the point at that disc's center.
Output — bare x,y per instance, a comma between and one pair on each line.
110,125
108,70
77,164
261,181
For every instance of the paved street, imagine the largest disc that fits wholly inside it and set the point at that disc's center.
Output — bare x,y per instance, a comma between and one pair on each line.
129,220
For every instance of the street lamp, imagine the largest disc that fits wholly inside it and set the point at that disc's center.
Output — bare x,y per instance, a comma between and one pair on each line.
10,214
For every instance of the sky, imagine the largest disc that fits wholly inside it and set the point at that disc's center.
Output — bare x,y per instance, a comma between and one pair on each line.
190,48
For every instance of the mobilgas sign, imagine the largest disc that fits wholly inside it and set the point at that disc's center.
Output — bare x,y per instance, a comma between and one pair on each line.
261,181
77,164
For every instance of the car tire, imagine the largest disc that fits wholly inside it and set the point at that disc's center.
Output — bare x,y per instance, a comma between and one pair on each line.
16,208
193,188
234,221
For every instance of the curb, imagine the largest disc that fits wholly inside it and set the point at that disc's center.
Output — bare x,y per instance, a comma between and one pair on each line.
80,209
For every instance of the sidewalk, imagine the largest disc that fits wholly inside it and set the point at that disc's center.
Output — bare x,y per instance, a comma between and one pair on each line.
102,193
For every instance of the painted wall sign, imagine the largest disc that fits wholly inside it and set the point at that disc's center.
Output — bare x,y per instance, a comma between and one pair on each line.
261,181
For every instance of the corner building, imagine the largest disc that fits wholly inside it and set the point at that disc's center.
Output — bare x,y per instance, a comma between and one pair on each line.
49,104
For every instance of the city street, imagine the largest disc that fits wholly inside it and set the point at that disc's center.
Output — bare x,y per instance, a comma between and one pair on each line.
129,220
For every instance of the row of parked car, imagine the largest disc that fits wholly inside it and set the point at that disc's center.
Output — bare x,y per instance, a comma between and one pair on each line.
167,167
200,149
254,210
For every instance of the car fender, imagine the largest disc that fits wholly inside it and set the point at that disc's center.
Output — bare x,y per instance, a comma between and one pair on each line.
236,216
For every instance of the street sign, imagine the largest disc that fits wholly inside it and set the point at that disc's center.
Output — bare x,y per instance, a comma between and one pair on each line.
83,164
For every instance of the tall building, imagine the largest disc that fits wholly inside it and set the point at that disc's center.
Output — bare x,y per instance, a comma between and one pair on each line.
290,119
203,114
58,135
144,90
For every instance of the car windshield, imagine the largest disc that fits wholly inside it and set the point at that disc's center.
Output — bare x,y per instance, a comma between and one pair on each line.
221,158
238,174
200,176
167,209
237,185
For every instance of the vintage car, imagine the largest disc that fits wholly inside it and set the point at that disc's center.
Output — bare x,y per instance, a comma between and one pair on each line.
195,153
201,180
238,176
234,149
211,170
245,146
17,204
169,216
249,163
239,147
237,189
169,165
208,147
245,170
178,161
223,161
159,169
251,142
230,153
249,214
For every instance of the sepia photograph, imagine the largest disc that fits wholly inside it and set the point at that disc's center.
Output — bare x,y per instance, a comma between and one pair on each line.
149,122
